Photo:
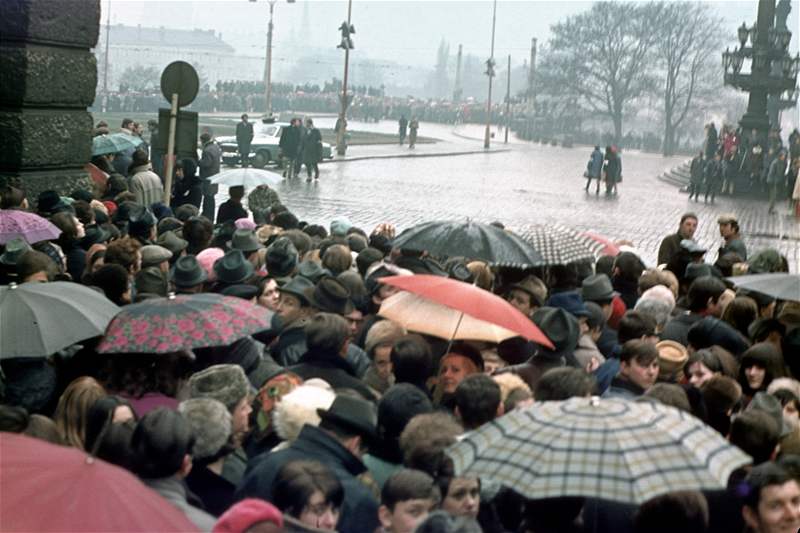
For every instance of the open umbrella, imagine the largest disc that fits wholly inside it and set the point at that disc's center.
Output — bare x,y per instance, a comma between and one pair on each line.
46,487
174,323
613,449
469,239
560,245
38,319
452,309
778,285
28,226
114,143
608,247
249,177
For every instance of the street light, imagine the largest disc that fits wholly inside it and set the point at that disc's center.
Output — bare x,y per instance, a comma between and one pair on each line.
743,32
490,72
268,65
346,29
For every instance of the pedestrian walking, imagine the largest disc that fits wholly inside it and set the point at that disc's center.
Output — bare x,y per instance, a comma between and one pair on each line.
696,177
209,166
594,169
413,127
712,177
613,170
775,177
403,128
312,149
244,137
289,144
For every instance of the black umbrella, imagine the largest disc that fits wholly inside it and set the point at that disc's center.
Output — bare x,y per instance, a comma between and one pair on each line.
472,240
778,285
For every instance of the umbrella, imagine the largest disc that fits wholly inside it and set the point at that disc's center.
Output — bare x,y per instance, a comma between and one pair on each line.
469,239
114,143
778,285
613,449
28,226
560,245
608,247
452,309
38,319
249,177
174,323
47,487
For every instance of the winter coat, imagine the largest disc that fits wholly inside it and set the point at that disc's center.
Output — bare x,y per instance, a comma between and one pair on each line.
622,388
359,511
677,329
188,190
614,169
595,164
712,172
262,198
334,369
736,246
696,171
214,491
146,185
587,350
290,141
244,133
210,160
312,146
231,211
670,246
173,490
777,171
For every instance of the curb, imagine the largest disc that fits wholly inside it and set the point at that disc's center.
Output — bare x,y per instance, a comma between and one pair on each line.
406,156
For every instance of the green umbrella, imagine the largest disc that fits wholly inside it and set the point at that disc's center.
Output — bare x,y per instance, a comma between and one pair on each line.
38,319
114,143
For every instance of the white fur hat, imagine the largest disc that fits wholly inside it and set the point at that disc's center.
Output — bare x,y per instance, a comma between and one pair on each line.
298,408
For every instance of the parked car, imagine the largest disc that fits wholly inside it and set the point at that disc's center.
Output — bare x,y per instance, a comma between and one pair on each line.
264,148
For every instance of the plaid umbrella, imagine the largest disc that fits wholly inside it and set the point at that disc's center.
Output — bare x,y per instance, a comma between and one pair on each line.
469,239
28,226
174,323
560,245
598,448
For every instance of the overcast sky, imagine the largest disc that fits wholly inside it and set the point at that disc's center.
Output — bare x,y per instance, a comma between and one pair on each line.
407,32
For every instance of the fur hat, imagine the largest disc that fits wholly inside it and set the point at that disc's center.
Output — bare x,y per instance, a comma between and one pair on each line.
211,425
226,383
382,332
298,408
672,356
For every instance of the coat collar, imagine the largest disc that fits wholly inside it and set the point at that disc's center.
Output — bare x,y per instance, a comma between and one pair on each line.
315,442
326,360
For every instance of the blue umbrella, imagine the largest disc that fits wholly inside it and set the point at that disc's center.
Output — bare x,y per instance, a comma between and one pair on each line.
114,143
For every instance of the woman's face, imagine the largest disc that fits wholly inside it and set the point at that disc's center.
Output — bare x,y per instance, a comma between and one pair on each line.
699,374
755,376
463,497
270,296
453,371
122,414
98,264
383,361
319,513
81,231
791,414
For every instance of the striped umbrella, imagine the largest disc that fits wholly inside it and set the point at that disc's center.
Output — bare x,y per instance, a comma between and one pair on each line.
560,245
598,448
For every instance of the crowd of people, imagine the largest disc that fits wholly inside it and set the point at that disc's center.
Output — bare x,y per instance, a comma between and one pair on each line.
335,418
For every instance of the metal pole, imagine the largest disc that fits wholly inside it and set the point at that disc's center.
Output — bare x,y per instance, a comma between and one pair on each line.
341,137
173,118
268,66
105,67
508,99
487,134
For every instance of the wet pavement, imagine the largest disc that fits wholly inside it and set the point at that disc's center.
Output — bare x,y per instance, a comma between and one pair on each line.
520,184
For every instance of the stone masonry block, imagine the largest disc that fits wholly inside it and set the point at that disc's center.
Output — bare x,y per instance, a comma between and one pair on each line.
39,138
36,75
63,180
74,23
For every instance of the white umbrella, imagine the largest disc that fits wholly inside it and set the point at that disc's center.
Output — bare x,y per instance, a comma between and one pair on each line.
249,177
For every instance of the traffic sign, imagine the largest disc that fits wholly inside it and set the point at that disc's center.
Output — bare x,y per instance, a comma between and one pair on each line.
180,78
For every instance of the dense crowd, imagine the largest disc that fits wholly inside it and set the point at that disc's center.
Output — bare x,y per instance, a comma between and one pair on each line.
332,417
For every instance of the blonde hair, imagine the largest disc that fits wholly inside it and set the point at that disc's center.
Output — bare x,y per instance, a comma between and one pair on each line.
508,382
74,404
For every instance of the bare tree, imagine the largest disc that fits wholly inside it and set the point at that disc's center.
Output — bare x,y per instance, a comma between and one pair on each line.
603,56
688,41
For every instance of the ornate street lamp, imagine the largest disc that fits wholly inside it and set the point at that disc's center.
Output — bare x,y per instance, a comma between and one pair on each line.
743,33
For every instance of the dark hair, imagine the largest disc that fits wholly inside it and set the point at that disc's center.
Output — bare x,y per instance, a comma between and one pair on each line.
412,361
83,211
285,220
564,383
114,445
186,211
766,356
424,439
670,394
756,433
11,197
563,276
684,511
168,224
302,242
785,396
161,440
409,484
399,404
635,325
100,416
686,216
629,265
477,399
15,419
326,332
198,232
127,122
337,259
297,481
702,290
112,279
32,262
762,476
740,313
708,358
642,352
605,265
65,221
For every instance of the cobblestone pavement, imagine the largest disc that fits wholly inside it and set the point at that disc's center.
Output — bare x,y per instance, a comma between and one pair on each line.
528,184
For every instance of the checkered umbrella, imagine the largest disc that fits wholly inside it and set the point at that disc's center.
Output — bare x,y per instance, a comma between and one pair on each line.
560,245
599,448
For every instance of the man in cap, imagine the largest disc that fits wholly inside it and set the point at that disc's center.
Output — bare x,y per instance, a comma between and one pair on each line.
157,256
244,136
729,230
598,289
671,244
173,243
281,259
338,442
188,276
291,316
246,241
232,209
528,295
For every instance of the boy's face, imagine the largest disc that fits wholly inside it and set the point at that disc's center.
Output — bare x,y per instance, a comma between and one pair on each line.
406,515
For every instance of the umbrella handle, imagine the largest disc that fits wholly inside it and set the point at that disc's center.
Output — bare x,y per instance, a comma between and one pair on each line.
453,336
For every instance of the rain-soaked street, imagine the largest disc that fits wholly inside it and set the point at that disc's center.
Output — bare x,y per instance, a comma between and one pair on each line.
521,183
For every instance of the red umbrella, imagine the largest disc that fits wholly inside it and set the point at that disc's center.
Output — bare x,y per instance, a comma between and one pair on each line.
46,487
472,301
609,248
175,323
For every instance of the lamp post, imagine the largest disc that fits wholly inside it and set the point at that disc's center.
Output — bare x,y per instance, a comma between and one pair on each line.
346,30
268,64
490,72
773,71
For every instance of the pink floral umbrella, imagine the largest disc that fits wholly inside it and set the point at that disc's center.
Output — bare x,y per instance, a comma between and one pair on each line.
174,323
28,226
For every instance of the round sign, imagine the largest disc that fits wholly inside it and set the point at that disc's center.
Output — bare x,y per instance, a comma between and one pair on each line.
180,78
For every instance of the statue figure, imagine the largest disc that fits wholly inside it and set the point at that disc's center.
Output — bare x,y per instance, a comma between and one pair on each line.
782,11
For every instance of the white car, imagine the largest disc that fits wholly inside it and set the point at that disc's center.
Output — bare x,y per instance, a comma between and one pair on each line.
264,148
